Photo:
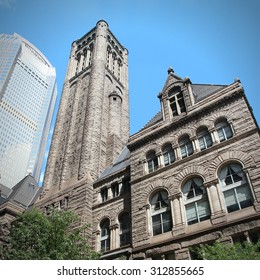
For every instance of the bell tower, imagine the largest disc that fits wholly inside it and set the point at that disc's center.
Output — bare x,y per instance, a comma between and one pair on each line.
92,125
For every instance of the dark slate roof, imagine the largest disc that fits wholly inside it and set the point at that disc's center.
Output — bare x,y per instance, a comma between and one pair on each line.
203,91
157,118
122,161
2,200
5,192
24,192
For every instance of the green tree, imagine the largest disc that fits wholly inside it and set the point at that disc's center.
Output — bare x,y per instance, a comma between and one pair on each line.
34,235
227,251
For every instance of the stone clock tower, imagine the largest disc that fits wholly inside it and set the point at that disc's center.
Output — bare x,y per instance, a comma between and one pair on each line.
92,125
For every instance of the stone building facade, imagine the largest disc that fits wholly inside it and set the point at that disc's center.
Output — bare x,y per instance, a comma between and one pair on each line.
190,176
195,171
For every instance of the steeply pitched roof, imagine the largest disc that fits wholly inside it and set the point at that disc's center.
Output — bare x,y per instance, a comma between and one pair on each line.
122,161
202,91
5,192
24,192
157,118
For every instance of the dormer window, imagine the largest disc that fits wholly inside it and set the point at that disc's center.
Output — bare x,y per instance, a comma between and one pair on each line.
176,101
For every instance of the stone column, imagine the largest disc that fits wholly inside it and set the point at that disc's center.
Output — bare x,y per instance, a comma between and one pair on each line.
177,211
97,241
195,144
112,237
117,237
145,166
214,197
172,211
177,151
148,218
160,159
213,134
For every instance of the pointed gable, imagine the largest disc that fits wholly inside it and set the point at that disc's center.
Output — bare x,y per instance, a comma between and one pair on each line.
171,79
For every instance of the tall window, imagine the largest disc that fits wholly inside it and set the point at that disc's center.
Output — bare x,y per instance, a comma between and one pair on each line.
124,229
91,46
152,161
115,189
236,190
108,56
160,212
224,130
104,194
168,154
204,138
104,236
185,146
195,201
176,100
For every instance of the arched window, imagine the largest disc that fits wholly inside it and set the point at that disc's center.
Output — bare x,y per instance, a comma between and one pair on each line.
236,190
223,129
185,146
160,212
204,138
152,161
105,235
124,228
195,201
168,154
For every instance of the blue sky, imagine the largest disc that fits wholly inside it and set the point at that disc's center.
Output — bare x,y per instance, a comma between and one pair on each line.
209,41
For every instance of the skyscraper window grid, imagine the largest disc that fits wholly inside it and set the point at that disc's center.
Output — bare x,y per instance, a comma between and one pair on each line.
28,95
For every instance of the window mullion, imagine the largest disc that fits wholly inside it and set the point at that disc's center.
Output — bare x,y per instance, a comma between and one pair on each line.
236,197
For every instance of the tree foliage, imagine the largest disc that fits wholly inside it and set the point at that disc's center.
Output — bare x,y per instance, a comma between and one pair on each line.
34,235
227,251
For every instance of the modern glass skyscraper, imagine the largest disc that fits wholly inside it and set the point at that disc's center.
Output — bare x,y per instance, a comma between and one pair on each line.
27,98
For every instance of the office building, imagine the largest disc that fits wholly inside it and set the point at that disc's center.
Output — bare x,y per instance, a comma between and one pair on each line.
27,99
